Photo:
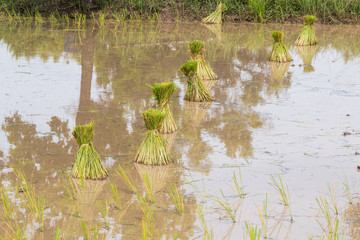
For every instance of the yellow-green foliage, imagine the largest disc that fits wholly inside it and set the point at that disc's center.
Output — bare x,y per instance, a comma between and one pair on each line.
196,90
279,53
216,16
162,93
153,150
204,71
307,36
88,162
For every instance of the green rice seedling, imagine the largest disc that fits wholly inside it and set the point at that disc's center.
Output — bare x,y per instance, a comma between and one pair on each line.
102,19
126,179
104,210
153,150
85,230
230,211
79,19
279,52
284,193
238,185
331,229
6,203
52,18
196,90
197,49
307,35
257,9
38,18
70,192
208,235
252,233
216,16
177,198
149,191
35,204
66,19
162,93
88,162
333,198
58,234
116,200
264,217
346,189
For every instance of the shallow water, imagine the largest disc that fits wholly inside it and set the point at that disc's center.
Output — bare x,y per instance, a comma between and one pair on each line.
267,119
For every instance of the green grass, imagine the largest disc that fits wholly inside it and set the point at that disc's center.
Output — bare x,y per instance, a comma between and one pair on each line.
177,198
335,11
283,192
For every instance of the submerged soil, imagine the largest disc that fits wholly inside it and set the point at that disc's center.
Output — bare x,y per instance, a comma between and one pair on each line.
268,119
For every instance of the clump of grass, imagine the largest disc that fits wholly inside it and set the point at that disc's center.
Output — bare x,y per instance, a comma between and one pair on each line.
197,49
35,203
104,210
284,193
162,93
6,203
88,162
70,192
333,199
252,233
196,90
238,185
208,234
279,52
264,216
87,231
153,150
307,35
216,16
331,228
149,191
230,211
346,189
177,199
116,200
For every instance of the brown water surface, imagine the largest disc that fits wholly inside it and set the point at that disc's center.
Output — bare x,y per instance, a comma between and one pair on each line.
268,118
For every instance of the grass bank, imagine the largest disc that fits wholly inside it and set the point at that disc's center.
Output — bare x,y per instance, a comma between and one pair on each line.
328,11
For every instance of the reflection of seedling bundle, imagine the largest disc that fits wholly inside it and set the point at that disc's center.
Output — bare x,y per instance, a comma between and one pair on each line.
196,90
279,52
153,150
162,93
307,35
216,16
87,192
307,53
278,71
197,48
157,175
88,162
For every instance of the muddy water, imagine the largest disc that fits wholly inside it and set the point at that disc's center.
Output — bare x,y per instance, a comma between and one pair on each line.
267,119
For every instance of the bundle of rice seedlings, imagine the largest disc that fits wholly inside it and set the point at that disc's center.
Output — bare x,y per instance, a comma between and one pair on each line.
307,53
88,162
153,150
162,93
196,90
279,53
216,16
307,35
197,48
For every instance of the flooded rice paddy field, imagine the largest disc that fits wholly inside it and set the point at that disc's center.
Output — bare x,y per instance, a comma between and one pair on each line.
298,119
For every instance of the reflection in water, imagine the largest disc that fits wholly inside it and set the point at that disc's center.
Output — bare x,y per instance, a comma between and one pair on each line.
121,63
278,81
307,54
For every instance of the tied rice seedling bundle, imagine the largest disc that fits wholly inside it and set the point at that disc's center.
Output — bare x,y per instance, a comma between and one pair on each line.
216,16
153,150
279,53
307,35
197,49
196,90
88,162
162,93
